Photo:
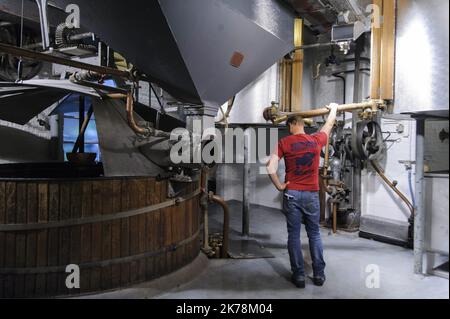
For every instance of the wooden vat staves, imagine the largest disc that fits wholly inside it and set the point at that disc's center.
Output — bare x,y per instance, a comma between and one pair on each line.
120,231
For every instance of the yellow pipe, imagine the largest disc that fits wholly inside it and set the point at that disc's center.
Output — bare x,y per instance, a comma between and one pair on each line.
273,114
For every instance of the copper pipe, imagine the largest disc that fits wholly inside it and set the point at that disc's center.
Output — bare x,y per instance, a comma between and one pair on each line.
33,55
226,221
335,205
130,116
326,162
286,84
116,96
144,131
380,172
282,86
204,208
273,113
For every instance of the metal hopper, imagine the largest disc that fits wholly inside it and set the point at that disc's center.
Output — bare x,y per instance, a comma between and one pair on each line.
200,51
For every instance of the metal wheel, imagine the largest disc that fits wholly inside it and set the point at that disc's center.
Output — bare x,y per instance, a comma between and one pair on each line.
369,140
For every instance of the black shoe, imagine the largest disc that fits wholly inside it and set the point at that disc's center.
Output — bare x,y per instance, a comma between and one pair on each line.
319,281
299,282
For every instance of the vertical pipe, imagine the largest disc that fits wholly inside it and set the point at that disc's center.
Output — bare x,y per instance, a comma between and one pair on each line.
81,121
54,138
43,16
375,58
246,188
334,217
356,194
282,85
60,151
326,162
419,221
297,68
204,208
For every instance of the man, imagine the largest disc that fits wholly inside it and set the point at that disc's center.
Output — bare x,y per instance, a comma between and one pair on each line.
301,192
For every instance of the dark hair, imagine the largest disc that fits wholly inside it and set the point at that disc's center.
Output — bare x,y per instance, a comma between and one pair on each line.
294,120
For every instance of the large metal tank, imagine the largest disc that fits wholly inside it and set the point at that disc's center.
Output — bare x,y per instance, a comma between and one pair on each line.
422,52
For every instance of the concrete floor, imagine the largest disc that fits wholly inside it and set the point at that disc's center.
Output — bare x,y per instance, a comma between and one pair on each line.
347,257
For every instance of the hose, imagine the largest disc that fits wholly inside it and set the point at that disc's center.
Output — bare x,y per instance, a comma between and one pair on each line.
393,187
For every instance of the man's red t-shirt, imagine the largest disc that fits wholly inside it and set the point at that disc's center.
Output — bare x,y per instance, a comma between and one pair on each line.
302,157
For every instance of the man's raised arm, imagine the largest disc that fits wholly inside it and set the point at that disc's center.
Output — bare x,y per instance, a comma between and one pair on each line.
328,127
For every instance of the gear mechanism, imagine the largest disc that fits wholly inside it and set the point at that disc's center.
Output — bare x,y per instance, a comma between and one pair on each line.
63,36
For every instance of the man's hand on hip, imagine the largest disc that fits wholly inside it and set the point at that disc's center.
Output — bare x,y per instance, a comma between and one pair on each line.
283,187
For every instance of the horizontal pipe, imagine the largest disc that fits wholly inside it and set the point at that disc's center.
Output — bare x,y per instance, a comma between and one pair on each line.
32,55
116,96
273,114
81,36
313,46
341,108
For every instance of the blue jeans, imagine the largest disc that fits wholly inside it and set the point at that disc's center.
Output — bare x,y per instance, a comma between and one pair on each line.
298,206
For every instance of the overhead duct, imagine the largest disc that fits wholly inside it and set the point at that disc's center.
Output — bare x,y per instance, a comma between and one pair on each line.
200,51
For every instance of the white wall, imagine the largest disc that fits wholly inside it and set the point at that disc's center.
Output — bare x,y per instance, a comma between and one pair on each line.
377,198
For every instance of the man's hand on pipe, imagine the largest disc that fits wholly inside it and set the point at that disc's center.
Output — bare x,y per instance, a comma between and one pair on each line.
333,107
